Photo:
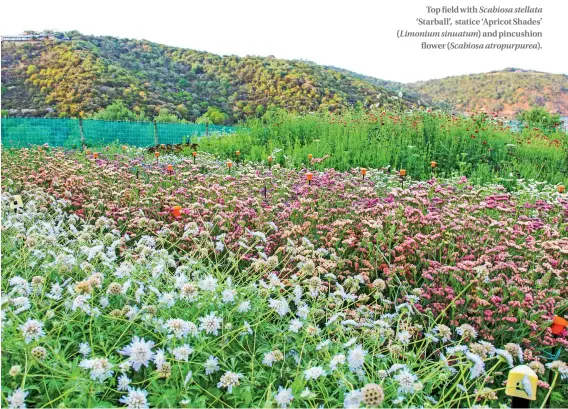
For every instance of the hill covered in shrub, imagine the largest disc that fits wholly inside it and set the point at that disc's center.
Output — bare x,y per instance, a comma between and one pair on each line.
505,92
84,74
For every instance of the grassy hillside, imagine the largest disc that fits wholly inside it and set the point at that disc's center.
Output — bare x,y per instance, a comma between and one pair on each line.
87,73
504,92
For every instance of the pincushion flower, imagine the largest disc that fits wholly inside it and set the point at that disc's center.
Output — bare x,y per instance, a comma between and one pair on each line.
303,311
295,325
211,323
182,353
20,285
404,337
189,292
229,380
353,399
467,331
17,399
228,295
515,350
406,381
100,368
356,358
244,306
314,373
318,267
123,383
179,328
338,359
84,348
211,365
280,306
284,397
506,356
268,359
478,367
208,283
136,399
15,370
139,352
32,330
560,366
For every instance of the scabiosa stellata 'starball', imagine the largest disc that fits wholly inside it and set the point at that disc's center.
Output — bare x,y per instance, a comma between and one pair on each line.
15,370
537,367
165,370
39,353
114,288
373,394
116,313
38,281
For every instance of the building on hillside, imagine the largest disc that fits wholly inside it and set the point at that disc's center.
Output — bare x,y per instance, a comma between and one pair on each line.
27,38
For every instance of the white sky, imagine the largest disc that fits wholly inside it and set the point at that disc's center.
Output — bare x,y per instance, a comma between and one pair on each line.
359,35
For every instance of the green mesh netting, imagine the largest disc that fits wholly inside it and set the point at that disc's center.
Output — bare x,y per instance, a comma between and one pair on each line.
125,133
178,133
22,132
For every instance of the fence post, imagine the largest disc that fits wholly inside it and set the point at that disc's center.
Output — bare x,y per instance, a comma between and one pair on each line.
82,135
155,134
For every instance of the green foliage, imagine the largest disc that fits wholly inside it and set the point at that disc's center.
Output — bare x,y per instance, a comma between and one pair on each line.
478,147
541,118
116,111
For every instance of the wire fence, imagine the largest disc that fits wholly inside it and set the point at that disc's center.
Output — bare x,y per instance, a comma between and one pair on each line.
75,133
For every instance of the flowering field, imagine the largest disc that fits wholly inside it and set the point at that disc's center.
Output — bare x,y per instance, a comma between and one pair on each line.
178,282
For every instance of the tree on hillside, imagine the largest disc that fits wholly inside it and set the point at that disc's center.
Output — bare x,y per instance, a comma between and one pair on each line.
116,111
213,116
540,118
165,116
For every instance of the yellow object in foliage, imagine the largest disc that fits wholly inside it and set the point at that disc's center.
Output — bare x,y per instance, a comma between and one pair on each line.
16,203
522,383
